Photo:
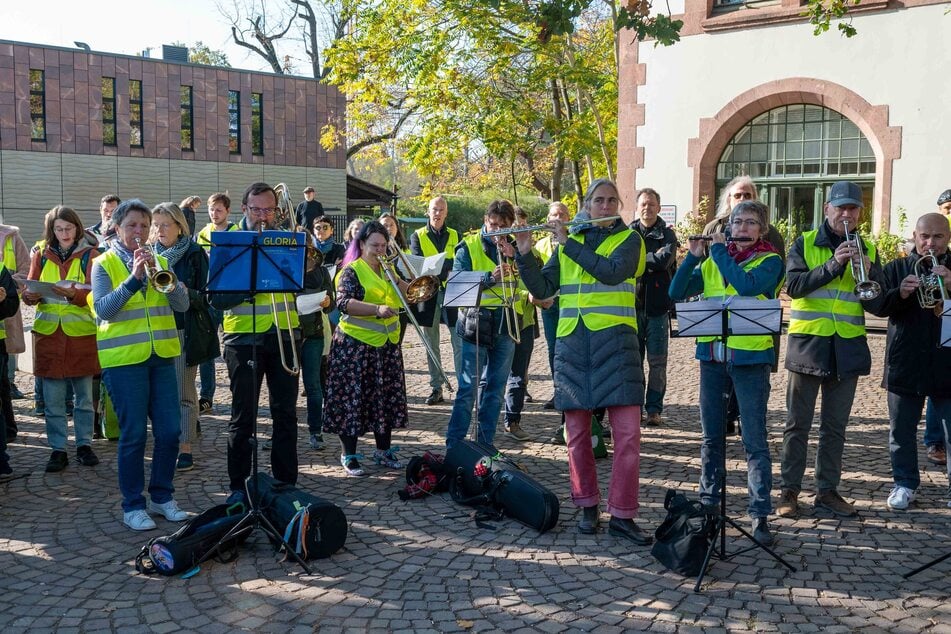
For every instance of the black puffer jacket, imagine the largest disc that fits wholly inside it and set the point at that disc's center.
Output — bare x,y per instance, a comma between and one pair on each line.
660,242
915,362
593,368
201,335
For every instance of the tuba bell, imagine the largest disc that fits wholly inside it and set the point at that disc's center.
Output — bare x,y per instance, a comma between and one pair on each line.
931,290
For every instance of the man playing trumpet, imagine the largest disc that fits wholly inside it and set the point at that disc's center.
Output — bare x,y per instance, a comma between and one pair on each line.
916,364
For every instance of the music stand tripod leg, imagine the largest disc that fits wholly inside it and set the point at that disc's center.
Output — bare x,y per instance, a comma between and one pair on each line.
931,563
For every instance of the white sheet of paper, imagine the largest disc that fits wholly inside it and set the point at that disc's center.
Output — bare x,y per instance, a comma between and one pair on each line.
310,303
45,289
423,266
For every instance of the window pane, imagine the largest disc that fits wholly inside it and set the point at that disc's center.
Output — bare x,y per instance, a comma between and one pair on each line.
36,80
135,89
36,105
109,134
135,111
866,149
760,134
850,148
811,150
186,139
794,133
849,130
38,129
758,152
742,153
813,131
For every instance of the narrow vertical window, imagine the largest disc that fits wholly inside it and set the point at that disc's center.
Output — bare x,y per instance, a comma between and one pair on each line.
37,105
108,110
188,141
135,113
234,121
257,123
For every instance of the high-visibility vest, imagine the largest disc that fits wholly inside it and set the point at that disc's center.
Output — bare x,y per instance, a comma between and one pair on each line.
429,249
491,297
373,331
833,308
713,288
545,247
145,324
10,255
598,305
204,236
238,319
76,321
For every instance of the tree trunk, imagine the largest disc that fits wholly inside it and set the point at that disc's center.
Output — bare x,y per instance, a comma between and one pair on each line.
559,165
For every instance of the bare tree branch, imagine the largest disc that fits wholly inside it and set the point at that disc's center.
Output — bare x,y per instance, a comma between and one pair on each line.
379,138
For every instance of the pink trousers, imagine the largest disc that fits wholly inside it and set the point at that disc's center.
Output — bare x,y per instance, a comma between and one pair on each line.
625,470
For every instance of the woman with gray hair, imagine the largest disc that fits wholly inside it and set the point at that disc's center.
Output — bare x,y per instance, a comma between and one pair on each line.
597,358
747,265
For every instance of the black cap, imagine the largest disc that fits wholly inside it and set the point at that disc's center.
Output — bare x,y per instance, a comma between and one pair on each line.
945,197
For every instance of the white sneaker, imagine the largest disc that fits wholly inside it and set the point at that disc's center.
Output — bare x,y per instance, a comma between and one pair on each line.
900,498
138,520
170,510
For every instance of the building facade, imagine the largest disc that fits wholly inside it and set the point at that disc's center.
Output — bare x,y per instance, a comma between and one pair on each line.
75,125
750,90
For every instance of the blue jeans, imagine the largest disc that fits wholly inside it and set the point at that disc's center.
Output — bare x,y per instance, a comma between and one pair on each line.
494,366
653,335
206,371
311,352
54,397
752,391
550,324
904,414
934,432
139,393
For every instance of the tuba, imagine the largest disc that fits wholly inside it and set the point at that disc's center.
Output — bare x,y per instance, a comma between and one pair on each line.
931,290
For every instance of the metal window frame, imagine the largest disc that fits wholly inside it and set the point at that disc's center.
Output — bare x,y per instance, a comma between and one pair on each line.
190,109
42,95
112,121
133,124
234,132
257,131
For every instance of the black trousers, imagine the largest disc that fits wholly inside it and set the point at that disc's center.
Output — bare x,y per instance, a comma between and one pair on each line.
245,393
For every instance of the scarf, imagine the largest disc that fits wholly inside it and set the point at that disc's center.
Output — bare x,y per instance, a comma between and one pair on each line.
175,252
63,254
324,246
760,246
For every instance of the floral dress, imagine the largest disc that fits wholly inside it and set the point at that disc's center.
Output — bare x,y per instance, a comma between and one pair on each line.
366,388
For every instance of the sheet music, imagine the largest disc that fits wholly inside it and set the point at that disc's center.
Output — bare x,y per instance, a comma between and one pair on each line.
44,289
310,303
422,265
464,288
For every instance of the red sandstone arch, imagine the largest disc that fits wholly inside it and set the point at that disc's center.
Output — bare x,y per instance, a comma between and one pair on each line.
704,152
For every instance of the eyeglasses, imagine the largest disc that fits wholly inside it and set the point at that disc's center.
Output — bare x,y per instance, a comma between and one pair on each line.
263,211
742,196
322,227
745,223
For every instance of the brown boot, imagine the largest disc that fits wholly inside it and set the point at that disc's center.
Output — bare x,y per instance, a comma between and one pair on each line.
788,504
832,501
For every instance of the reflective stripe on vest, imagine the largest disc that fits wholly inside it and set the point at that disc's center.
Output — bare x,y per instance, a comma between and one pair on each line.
373,331
248,318
491,297
76,321
713,288
834,308
598,305
145,324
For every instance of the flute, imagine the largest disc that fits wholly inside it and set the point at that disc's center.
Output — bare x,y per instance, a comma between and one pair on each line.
728,238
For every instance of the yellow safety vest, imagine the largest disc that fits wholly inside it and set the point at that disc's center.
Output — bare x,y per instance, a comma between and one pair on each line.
545,247
204,236
713,288
145,324
76,321
373,331
491,297
834,308
429,249
598,305
10,255
238,319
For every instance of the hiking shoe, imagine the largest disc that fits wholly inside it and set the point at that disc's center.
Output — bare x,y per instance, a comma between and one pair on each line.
653,419
514,429
832,501
204,406
316,441
435,398
900,498
937,455
761,532
351,465
387,458
39,408
86,457
590,518
169,509
138,520
559,437
58,461
789,504
185,462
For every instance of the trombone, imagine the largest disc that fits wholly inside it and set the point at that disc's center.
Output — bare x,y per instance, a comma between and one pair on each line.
388,264
421,288
931,290
865,288
509,288
294,367
165,280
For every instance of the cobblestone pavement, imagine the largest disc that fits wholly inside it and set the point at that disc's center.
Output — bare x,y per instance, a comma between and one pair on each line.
424,565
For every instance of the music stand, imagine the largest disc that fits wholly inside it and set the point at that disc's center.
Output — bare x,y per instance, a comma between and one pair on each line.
464,290
731,317
273,262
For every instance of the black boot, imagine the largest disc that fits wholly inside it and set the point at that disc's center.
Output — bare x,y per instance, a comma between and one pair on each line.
590,518
761,531
624,527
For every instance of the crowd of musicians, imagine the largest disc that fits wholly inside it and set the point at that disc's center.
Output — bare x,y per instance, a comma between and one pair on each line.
124,304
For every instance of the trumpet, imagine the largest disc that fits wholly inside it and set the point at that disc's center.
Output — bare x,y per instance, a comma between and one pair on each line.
931,290
509,287
728,238
165,280
421,288
388,264
574,223
865,288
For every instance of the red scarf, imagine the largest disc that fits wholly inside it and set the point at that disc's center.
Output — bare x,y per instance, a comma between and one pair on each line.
760,246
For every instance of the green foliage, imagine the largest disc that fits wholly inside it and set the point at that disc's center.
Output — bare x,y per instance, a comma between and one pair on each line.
691,224
467,208
200,53
822,12
890,246
661,28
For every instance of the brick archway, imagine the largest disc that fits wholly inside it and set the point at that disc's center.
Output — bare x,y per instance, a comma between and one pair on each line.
704,152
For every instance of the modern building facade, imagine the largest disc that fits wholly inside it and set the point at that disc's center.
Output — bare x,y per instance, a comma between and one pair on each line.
750,90
75,125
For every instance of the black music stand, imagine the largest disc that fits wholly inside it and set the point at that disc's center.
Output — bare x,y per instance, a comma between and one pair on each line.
464,290
732,317
251,263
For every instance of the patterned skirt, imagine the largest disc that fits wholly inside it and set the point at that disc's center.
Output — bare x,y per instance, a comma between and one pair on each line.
366,388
